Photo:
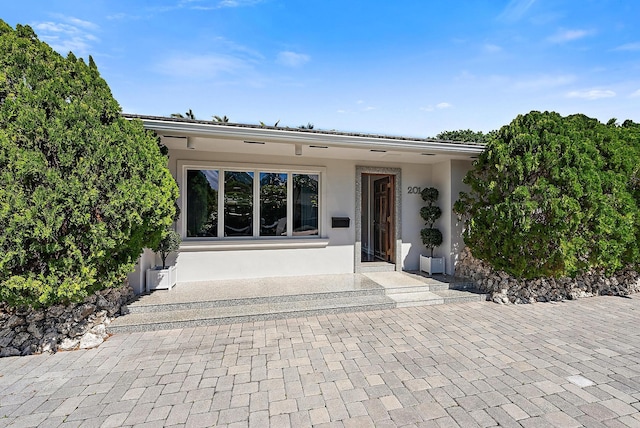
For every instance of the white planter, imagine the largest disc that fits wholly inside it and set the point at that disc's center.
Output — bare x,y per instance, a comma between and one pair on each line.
161,279
431,265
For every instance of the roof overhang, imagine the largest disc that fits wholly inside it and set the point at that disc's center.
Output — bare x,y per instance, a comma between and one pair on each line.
184,128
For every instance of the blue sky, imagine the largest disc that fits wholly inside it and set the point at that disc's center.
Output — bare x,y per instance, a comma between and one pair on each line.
402,67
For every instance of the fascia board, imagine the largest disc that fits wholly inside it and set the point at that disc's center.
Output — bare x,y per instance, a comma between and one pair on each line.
293,137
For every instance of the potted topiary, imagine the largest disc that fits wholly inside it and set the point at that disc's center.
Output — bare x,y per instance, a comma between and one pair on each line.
431,237
163,277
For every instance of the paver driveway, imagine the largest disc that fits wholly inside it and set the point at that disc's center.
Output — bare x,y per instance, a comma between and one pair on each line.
476,364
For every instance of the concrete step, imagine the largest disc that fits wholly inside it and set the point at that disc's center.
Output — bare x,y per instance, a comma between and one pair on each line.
461,296
182,318
377,267
416,298
142,305
413,288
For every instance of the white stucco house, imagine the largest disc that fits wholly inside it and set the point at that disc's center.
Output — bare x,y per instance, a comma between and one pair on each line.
265,201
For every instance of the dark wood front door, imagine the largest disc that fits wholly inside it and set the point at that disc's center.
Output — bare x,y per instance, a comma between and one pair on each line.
383,219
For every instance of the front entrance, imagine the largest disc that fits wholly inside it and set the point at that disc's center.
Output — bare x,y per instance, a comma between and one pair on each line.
377,232
383,247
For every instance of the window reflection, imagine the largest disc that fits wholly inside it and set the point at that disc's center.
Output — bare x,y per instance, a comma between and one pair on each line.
305,204
273,204
202,203
238,203
286,204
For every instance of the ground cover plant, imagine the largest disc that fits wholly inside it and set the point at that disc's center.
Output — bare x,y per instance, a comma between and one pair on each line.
82,190
555,196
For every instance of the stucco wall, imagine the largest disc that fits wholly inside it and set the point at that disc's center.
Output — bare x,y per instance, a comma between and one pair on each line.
413,176
339,200
442,182
447,178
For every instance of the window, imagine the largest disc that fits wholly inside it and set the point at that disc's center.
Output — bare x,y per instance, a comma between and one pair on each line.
273,204
202,203
238,203
251,203
305,204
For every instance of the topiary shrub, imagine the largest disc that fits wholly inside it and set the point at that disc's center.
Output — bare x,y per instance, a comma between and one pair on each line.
82,190
555,196
431,237
169,243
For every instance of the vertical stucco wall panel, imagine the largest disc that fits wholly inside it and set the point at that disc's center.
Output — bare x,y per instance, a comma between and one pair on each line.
414,177
339,191
442,181
137,278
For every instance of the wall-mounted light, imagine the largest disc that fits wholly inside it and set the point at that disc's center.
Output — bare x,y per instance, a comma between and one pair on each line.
319,147
254,142
298,149
191,144
428,154
378,151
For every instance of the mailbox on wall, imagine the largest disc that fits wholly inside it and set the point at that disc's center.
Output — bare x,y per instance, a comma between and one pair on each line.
340,222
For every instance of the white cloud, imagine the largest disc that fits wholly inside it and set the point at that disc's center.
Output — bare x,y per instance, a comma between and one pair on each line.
293,59
592,94
232,46
121,16
491,48
211,5
635,94
439,106
564,36
237,3
69,36
515,10
202,66
629,47
80,23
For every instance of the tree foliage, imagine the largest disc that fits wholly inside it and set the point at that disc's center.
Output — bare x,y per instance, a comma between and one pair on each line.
555,196
466,135
82,190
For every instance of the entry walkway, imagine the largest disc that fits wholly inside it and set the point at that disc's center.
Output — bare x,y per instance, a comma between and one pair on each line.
567,364
228,301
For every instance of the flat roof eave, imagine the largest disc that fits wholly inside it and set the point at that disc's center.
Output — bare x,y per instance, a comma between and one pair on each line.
196,128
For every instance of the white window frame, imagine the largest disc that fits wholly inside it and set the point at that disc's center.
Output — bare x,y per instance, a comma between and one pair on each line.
256,241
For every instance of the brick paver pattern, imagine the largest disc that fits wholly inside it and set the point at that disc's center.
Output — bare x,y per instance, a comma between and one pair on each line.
567,364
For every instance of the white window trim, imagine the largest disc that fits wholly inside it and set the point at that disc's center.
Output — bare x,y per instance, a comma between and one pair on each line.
222,243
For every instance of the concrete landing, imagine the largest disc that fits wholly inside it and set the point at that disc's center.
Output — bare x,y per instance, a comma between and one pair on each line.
232,301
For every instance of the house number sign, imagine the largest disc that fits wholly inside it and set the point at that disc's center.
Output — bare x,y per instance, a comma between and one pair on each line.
414,190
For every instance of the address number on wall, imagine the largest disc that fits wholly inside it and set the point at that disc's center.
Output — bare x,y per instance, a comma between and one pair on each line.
412,190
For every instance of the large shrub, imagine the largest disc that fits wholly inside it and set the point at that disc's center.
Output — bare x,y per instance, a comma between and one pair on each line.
82,190
555,196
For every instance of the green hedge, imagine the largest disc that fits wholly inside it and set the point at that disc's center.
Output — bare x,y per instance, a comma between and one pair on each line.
82,190
555,196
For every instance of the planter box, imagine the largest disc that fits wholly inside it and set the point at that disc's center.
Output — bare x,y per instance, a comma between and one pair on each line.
161,279
432,265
